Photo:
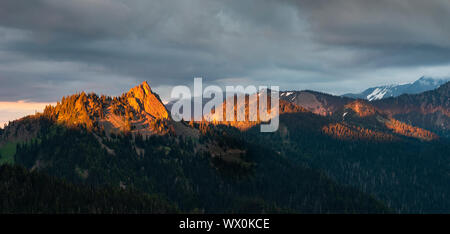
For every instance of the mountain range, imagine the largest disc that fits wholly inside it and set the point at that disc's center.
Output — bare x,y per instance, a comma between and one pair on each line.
428,110
331,154
421,85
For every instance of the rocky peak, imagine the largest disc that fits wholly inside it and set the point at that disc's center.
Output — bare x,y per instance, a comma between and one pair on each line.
143,100
138,110
141,90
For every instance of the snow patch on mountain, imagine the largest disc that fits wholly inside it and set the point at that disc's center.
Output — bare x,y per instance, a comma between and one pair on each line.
378,93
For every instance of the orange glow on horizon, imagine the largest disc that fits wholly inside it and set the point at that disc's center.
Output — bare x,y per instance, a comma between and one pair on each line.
10,111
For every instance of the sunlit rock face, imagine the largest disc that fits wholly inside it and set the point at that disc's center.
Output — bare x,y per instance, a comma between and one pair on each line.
143,100
139,110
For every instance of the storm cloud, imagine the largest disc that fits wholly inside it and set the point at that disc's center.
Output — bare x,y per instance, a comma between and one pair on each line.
51,48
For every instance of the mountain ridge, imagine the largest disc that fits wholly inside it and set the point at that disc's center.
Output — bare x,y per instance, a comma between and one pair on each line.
138,110
317,102
220,159
380,92
429,110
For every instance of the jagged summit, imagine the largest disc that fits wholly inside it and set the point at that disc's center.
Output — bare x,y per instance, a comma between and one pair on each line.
139,110
142,99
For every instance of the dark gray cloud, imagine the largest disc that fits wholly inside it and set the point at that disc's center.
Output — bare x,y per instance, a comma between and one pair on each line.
399,32
379,23
50,48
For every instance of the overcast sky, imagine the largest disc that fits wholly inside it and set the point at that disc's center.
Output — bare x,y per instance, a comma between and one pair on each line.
51,48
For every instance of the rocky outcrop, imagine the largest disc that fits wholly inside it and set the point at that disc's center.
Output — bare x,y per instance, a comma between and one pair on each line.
143,100
139,110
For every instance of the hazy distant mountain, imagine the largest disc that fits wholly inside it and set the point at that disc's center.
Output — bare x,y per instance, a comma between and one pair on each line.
421,85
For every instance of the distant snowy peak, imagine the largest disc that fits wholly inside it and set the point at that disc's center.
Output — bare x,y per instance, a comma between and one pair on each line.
421,85
428,81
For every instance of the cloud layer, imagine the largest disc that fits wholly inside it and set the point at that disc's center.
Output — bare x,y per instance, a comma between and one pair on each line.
51,48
